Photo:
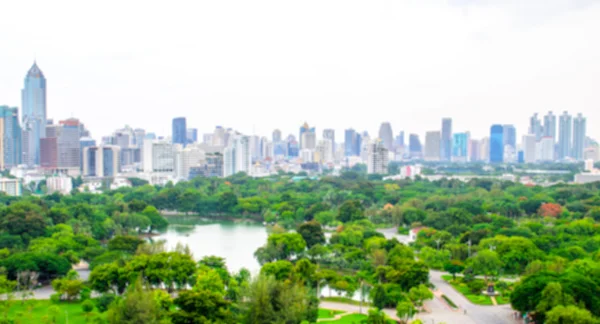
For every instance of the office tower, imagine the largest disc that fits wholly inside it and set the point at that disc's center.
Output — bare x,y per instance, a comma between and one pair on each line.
529,148
187,158
267,148
254,148
414,146
377,160
158,157
350,139
545,149
60,150
306,129
400,139
11,187
578,137
293,147
101,161
386,135
565,131
324,151
34,115
484,149
83,143
218,138
308,140
276,136
213,167
191,135
496,144
237,157
510,136
179,131
363,148
474,150
330,135
550,126
460,147
535,127
10,138
432,146
446,141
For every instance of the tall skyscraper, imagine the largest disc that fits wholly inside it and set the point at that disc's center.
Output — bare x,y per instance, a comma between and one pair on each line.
510,136
474,150
350,138
101,161
34,115
550,126
579,130
565,126
276,136
179,131
10,137
60,149
460,147
304,129
237,157
545,149
432,146
400,139
386,135
329,134
414,146
446,144
496,144
535,127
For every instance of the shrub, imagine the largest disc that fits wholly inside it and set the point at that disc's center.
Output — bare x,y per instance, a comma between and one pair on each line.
476,286
87,306
104,301
449,301
55,298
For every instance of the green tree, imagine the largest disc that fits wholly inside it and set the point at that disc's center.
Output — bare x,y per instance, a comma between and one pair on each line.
201,306
138,306
419,294
553,296
312,233
375,316
405,311
350,210
569,315
486,262
453,267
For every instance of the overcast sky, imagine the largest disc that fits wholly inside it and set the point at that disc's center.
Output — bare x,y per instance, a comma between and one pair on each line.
259,65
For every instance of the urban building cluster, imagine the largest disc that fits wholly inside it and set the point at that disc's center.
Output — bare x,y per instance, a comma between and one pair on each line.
34,148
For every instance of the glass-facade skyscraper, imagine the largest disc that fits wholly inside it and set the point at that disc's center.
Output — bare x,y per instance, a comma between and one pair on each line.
446,144
496,144
578,137
565,126
510,136
33,98
460,145
179,131
10,137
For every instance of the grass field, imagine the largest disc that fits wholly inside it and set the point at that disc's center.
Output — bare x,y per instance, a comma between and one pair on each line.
352,319
345,300
34,311
478,299
328,313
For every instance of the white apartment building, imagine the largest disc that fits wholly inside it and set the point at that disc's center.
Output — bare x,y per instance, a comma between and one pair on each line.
191,156
529,148
59,183
324,151
545,149
158,156
237,156
378,158
11,187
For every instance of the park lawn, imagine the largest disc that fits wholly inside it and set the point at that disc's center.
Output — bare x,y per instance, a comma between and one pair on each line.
501,300
328,313
462,288
33,311
345,300
352,319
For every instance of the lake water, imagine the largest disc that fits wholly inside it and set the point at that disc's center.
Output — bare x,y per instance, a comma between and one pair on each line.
236,242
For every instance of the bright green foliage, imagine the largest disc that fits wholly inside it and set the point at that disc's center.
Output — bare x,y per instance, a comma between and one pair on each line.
569,315
405,311
312,233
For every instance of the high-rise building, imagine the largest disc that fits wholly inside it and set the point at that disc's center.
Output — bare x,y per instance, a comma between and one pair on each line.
324,151
386,135
34,115
579,130
191,135
237,157
330,135
510,136
565,126
400,139
535,127
255,148
276,136
308,141
83,143
159,156
545,149
414,146
484,149
10,138
474,150
496,144
351,142
446,142
460,147
218,138
550,126
187,158
432,146
60,150
101,161
179,135
213,167
377,160
293,148
529,148
306,129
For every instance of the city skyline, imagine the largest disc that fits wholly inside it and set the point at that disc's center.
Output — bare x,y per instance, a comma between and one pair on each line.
248,82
